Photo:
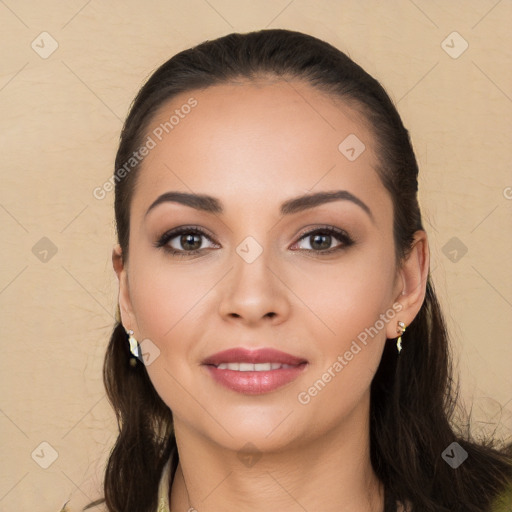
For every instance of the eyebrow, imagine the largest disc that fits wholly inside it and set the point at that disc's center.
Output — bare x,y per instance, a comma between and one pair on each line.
211,204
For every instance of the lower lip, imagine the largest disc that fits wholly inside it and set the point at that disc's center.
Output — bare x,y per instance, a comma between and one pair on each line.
255,383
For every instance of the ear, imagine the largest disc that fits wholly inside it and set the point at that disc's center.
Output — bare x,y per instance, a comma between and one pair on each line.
125,305
413,276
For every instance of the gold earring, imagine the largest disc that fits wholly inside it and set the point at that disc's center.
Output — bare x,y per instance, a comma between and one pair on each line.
134,345
400,330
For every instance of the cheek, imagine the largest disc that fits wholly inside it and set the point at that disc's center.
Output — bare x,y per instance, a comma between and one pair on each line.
166,295
348,296
354,311
352,303
168,301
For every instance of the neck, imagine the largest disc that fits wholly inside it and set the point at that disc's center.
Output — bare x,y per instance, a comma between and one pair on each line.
333,473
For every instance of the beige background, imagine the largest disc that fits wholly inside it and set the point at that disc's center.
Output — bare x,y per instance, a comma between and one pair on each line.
61,118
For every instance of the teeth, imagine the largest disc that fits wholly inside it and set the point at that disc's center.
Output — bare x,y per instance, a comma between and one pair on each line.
250,367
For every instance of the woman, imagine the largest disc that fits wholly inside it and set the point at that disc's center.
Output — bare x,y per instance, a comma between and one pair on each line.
280,345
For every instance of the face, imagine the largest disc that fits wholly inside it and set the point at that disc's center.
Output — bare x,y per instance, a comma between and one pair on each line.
256,268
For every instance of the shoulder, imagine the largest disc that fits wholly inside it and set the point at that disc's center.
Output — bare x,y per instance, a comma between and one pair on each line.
503,502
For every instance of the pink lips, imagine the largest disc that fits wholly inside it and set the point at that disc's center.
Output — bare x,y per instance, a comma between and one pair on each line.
254,382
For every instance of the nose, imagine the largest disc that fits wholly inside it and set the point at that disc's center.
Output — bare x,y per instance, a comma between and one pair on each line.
254,292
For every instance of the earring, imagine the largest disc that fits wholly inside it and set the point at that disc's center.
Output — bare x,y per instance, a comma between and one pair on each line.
400,330
134,345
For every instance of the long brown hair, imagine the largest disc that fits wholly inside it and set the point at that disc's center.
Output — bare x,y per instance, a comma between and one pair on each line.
413,397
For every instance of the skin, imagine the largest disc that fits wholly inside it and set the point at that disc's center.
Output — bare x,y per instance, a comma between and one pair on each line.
254,145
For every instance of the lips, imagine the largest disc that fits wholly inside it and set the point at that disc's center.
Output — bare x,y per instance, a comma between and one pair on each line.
262,355
254,372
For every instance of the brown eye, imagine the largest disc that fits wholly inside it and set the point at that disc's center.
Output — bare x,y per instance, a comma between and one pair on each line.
320,240
183,241
190,241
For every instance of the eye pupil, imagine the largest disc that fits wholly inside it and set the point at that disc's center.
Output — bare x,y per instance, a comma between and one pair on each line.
189,239
322,245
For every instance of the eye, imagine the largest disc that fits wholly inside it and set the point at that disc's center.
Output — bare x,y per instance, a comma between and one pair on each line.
188,240
183,241
320,240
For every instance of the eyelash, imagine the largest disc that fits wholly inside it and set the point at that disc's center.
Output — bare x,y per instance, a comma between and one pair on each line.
339,234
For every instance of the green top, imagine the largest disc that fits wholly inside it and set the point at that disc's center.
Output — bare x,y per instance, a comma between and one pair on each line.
504,502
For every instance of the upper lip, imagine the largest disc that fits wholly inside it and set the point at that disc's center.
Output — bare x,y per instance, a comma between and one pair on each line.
261,355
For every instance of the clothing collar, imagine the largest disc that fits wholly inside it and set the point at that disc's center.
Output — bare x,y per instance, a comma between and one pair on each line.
163,488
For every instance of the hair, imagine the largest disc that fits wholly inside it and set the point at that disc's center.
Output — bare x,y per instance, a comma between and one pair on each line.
413,396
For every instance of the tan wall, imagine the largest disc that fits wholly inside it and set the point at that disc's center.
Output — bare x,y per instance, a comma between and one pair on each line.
61,118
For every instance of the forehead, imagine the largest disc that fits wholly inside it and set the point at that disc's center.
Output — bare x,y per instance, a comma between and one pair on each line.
249,142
